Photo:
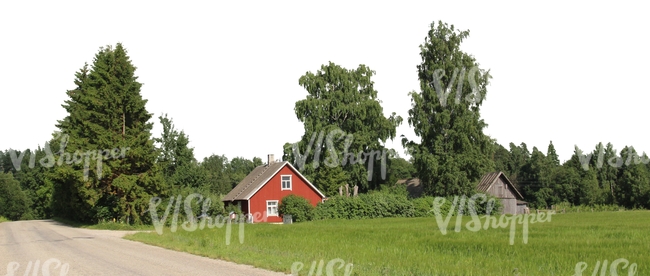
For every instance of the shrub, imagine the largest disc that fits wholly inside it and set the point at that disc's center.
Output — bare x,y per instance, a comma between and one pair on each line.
297,207
371,205
387,203
423,207
14,204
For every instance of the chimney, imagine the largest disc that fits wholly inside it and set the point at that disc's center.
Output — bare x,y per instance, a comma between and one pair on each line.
271,160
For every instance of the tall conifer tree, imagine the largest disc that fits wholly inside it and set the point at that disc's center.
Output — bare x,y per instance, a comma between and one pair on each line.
106,112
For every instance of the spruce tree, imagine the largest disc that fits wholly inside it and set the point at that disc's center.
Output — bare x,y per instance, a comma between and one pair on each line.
107,120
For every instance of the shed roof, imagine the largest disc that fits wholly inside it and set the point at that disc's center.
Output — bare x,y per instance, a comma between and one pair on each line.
490,178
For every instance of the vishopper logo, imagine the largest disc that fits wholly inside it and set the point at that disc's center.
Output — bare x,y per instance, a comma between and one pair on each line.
192,223
333,159
50,160
457,78
296,267
475,224
63,268
615,161
613,268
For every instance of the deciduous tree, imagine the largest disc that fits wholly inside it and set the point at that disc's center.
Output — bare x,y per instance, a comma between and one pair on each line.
454,152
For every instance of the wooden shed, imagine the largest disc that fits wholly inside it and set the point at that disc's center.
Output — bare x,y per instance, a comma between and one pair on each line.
498,185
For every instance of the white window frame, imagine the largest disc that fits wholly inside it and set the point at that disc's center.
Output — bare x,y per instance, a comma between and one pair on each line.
282,182
269,214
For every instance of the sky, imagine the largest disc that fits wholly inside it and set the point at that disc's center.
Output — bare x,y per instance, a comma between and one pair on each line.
226,72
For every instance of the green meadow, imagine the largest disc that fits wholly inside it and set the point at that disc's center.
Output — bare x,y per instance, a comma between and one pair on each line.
416,246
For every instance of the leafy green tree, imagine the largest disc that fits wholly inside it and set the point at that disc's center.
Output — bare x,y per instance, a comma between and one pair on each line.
240,167
633,187
399,168
106,112
217,174
35,183
14,204
502,159
343,111
328,180
537,183
454,153
176,157
607,174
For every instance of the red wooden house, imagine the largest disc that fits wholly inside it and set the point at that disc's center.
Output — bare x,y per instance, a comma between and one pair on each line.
260,192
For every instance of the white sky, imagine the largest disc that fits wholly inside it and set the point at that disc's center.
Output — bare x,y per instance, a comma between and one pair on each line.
227,74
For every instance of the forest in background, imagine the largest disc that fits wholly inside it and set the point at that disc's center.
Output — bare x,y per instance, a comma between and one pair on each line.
107,115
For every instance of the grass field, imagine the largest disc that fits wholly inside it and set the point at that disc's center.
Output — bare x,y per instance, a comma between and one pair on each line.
3,219
415,246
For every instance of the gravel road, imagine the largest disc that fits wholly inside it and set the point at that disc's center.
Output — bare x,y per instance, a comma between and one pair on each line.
42,245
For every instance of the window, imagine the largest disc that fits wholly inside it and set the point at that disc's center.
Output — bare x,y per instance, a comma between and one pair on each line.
286,182
271,208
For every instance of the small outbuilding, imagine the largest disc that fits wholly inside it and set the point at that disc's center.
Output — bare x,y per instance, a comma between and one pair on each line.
498,185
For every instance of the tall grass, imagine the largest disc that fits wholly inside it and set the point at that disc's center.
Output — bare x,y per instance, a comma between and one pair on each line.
415,246
3,219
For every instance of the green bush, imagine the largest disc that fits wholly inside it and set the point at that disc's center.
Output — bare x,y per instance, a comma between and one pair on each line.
14,204
387,203
423,207
210,201
371,205
297,207
570,208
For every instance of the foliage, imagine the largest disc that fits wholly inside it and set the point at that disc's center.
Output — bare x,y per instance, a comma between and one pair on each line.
33,180
454,153
217,174
14,204
297,207
566,207
399,168
343,119
176,158
105,112
370,205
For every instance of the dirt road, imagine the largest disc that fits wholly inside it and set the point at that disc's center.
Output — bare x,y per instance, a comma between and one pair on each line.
45,245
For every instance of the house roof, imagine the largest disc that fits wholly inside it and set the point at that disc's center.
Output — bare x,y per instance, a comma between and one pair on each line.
415,188
256,179
488,180
412,186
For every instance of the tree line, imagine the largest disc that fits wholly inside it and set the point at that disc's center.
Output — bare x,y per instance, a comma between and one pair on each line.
110,165
598,177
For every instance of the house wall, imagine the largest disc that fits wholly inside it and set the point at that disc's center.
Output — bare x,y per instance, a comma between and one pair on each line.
273,191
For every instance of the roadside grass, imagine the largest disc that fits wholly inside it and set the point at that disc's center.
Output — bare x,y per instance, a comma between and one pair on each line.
416,246
3,219
104,225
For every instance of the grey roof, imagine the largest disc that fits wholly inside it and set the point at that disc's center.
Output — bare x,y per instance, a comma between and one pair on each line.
412,186
488,180
257,178
415,188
